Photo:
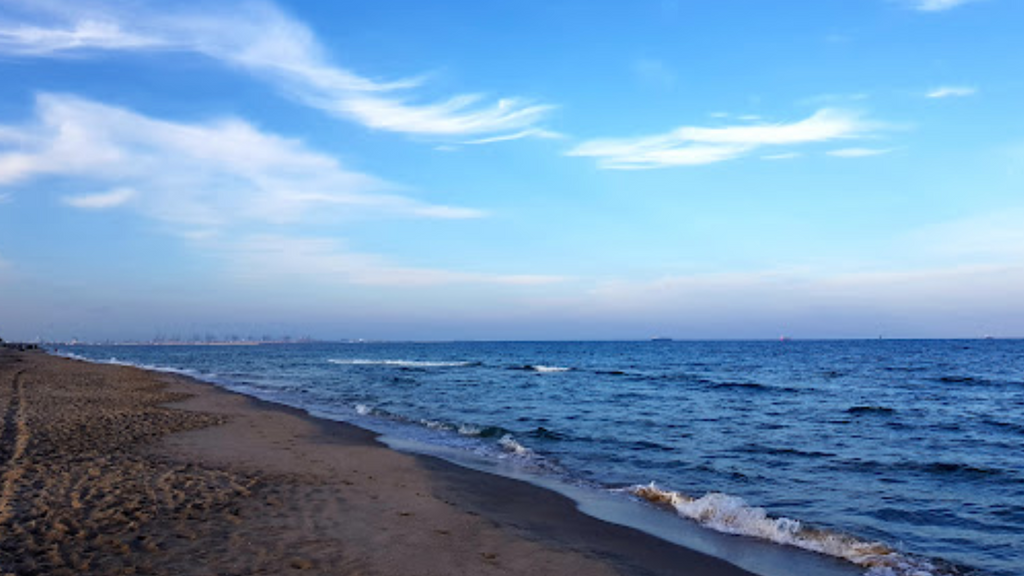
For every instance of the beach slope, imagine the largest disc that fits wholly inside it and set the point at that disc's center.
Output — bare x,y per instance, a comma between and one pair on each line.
116,470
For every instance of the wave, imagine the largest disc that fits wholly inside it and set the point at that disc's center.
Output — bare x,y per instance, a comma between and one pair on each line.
541,368
959,379
763,449
72,356
482,431
870,410
906,368
546,434
402,363
113,360
1001,424
437,425
958,468
732,515
509,444
977,381
741,386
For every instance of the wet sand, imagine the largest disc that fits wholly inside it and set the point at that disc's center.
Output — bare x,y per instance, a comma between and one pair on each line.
116,470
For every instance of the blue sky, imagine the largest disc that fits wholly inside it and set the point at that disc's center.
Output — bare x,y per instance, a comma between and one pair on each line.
512,169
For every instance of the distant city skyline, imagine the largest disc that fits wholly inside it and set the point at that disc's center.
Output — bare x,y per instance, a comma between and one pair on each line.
507,170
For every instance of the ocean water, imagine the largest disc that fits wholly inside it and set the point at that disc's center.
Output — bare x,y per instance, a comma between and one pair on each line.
900,457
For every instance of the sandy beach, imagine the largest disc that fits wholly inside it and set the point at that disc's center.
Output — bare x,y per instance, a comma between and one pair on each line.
116,470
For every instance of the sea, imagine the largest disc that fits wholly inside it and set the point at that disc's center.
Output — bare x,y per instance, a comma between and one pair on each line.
880,457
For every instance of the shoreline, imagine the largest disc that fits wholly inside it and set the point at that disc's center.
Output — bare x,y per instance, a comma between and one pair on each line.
249,486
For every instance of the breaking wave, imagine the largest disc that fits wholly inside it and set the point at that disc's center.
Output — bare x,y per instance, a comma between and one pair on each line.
113,360
732,515
509,444
482,431
401,363
541,368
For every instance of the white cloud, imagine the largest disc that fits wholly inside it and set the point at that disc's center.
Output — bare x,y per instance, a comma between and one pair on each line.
196,175
688,146
82,35
261,40
102,201
326,261
531,132
952,92
782,156
858,152
938,5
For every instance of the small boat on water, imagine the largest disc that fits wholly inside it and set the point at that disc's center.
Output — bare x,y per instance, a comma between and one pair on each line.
661,339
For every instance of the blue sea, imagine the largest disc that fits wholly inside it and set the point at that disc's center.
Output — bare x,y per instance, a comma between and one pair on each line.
897,457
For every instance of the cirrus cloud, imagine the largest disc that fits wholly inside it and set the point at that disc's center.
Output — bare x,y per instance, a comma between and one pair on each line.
938,5
260,39
101,201
858,152
30,40
691,145
952,92
202,175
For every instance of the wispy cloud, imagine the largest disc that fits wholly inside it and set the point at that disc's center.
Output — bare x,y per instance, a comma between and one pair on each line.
858,152
101,201
938,5
952,92
690,146
528,133
328,261
82,35
204,175
263,41
782,156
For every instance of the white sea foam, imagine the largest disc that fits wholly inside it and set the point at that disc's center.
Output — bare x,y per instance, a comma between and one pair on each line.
470,430
363,409
400,363
509,444
436,425
152,367
732,515
539,368
113,360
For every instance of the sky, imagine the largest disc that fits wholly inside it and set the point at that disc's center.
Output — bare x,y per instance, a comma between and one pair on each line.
512,169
